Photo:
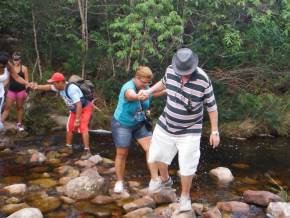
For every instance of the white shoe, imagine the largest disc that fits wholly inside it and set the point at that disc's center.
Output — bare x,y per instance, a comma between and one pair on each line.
119,187
168,183
184,204
155,185
19,127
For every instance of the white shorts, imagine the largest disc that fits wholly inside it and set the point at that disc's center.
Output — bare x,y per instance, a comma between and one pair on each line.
164,147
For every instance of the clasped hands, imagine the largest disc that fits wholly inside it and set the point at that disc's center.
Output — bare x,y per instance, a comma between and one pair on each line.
143,94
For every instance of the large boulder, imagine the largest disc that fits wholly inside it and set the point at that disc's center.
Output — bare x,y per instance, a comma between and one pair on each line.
279,210
84,187
262,198
27,213
222,174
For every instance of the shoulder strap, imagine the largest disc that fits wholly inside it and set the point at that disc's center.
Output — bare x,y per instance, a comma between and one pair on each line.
66,90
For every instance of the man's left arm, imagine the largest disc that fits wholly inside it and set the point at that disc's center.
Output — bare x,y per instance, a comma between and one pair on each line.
214,138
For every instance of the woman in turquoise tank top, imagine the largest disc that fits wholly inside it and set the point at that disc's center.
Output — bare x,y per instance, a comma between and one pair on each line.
128,122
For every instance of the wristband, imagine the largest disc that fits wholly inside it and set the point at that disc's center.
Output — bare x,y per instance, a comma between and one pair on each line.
215,133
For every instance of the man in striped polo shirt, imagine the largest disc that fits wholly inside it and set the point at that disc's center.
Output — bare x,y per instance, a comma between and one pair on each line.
179,127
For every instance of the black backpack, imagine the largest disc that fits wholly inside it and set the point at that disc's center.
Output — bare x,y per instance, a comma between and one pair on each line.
86,86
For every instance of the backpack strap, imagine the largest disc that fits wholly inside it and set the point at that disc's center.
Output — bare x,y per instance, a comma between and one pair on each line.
66,89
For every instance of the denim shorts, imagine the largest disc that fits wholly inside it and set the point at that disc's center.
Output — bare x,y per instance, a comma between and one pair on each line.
124,135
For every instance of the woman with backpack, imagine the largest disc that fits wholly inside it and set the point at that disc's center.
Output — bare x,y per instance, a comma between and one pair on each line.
16,92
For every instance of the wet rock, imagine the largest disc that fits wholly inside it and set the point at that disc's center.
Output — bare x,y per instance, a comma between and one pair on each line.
45,183
185,214
134,184
248,180
84,187
233,206
140,213
27,213
102,199
37,157
107,161
262,198
91,172
198,208
44,202
96,159
212,213
60,189
123,195
53,155
241,166
222,174
166,195
67,200
85,163
139,203
16,189
279,210
11,180
106,171
13,200
65,180
68,171
11,208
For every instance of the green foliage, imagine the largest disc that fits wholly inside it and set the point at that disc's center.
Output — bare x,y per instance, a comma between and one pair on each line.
151,30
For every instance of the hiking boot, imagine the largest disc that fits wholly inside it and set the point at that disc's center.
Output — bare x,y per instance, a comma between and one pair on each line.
20,127
119,187
86,155
155,185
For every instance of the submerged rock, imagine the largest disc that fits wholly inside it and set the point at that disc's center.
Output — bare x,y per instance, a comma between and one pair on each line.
84,187
279,210
27,213
222,174
262,198
45,183
102,199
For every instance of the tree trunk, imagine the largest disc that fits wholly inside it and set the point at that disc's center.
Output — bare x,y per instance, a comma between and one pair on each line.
83,8
35,44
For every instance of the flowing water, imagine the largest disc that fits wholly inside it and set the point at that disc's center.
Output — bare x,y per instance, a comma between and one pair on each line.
251,162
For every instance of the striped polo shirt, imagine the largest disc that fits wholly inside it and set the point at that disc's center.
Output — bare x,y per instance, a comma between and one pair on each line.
196,93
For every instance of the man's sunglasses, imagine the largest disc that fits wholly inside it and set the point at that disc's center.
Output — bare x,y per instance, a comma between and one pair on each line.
16,59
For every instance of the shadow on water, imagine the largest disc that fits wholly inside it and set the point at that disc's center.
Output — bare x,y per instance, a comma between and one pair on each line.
248,160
